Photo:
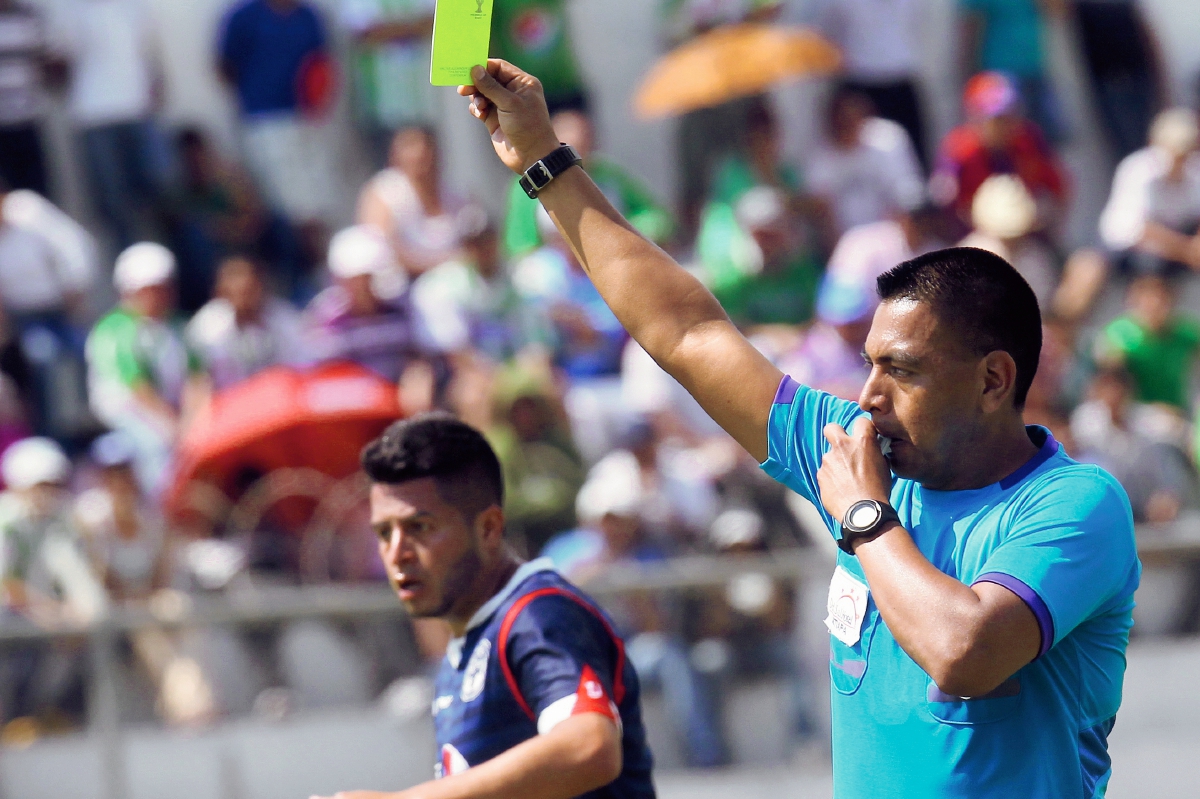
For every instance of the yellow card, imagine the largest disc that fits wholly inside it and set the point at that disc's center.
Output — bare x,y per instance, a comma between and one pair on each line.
462,34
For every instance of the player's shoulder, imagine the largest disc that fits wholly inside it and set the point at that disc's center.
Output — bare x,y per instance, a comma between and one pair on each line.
547,605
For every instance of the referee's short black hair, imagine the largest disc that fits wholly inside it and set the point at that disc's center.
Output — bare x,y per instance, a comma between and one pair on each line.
982,298
458,458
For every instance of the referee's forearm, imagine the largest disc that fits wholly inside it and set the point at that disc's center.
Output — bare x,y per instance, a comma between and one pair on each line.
966,642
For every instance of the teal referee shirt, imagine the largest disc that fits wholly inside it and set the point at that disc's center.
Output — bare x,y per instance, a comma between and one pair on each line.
1058,534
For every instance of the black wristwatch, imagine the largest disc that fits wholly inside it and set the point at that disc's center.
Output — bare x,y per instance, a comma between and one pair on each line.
864,519
538,176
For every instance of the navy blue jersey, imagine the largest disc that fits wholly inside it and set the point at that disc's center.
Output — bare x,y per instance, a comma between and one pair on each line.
535,654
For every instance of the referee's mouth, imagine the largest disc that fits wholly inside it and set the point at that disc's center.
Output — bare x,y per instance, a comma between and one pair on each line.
408,589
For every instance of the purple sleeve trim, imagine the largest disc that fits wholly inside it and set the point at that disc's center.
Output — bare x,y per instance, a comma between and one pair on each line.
1030,598
787,391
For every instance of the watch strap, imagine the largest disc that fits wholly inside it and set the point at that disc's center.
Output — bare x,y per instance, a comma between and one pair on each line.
540,175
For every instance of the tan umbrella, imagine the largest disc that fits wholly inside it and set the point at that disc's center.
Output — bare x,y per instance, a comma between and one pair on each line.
730,62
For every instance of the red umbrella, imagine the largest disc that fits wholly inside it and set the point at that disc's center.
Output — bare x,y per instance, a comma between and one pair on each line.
283,419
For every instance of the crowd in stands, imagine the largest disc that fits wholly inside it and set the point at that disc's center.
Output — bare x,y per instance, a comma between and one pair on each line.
222,269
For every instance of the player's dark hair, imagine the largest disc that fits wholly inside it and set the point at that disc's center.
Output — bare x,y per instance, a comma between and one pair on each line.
458,458
982,298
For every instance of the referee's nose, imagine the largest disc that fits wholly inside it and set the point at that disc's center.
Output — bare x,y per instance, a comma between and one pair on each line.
874,398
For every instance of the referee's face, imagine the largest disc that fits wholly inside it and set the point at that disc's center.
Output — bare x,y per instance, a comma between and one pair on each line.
925,393
433,557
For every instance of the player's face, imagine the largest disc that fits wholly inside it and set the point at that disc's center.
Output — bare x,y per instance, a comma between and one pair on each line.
430,552
923,392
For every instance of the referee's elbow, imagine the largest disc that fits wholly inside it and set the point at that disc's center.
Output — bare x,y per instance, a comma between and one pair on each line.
962,674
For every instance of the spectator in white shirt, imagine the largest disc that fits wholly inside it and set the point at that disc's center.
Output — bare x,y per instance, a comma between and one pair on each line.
115,88
867,170
880,56
44,578
244,329
1150,222
26,71
408,203
47,268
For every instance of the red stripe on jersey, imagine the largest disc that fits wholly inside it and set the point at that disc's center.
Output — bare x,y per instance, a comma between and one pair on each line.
506,627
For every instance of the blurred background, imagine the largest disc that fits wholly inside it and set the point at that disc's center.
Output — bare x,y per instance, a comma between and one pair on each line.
238,239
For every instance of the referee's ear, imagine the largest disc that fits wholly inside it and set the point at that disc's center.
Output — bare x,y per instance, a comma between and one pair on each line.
489,528
998,377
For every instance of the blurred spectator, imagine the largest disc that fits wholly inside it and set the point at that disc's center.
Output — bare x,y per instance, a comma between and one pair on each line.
27,69
274,56
409,204
588,338
542,470
829,357
779,285
1004,215
536,36
244,329
13,425
116,87
47,269
471,303
219,213
706,136
611,536
123,531
390,63
866,169
1009,36
1156,344
1126,438
628,196
1124,64
997,140
358,319
1153,213
142,379
676,502
881,57
45,577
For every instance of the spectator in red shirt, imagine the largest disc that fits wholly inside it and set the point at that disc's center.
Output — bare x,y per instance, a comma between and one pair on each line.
996,140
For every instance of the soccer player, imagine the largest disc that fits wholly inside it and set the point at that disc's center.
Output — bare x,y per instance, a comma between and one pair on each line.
535,698
981,605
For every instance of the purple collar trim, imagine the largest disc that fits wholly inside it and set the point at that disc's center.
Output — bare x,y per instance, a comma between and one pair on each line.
1048,449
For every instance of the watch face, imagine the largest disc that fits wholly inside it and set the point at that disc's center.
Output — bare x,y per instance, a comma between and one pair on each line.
863,515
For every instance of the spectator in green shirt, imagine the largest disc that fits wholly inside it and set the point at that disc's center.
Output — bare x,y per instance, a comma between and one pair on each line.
535,35
775,283
631,198
389,65
141,376
1154,343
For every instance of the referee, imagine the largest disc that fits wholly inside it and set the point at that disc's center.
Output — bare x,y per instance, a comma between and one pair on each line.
982,601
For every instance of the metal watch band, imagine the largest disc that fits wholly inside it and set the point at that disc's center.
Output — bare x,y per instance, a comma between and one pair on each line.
539,176
849,536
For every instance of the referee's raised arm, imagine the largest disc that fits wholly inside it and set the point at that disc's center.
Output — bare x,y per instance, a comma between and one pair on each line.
666,310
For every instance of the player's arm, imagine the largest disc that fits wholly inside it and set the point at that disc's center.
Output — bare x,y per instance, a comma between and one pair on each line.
580,754
968,638
666,310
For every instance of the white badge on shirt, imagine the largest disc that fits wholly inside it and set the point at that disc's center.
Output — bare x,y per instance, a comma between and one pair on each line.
847,606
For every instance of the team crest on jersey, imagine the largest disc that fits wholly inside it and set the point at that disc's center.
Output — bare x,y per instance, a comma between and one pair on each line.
476,674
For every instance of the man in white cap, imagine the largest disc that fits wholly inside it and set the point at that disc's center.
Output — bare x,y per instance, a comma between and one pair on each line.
139,370
366,315
45,577
1150,222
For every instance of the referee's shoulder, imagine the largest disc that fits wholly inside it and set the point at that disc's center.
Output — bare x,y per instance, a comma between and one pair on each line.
1080,490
